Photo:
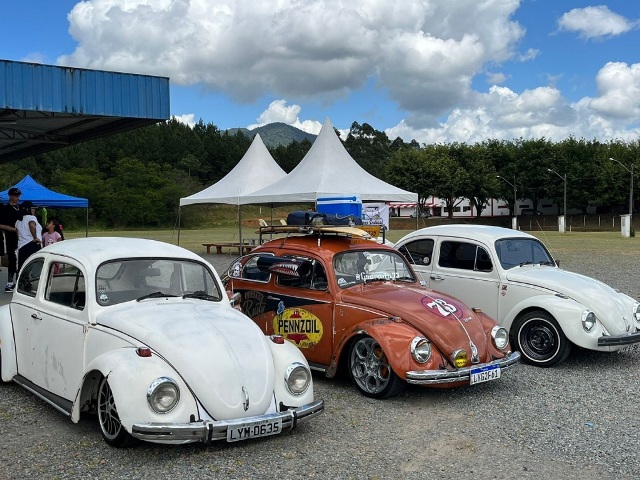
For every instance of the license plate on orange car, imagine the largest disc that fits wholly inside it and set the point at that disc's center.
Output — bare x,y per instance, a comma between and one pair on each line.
484,374
260,428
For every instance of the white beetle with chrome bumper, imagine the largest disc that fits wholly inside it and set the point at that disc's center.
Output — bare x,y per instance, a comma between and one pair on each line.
142,334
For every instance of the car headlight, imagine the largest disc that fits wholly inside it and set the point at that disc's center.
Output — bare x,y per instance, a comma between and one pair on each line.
500,337
421,349
297,378
163,394
588,320
636,312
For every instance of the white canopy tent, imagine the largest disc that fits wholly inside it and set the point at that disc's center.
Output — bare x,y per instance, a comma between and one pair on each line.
255,170
327,170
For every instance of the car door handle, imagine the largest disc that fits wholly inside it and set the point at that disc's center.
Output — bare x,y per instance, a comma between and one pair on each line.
436,277
269,297
35,316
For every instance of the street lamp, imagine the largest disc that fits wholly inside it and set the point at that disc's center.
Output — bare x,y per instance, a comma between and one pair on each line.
631,184
565,191
515,194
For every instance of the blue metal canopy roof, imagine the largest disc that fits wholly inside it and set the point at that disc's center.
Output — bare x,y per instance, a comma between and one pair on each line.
45,107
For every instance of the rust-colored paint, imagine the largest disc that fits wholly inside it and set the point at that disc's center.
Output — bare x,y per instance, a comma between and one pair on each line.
393,313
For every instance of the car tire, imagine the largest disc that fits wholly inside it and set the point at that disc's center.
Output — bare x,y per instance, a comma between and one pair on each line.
112,430
370,370
540,340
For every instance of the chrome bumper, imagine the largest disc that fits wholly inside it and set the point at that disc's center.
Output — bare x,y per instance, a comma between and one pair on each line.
206,431
626,339
434,377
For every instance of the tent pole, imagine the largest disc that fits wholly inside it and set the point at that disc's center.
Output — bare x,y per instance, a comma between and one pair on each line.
240,225
86,231
178,225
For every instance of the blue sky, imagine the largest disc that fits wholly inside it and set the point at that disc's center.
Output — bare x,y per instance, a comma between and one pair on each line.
430,70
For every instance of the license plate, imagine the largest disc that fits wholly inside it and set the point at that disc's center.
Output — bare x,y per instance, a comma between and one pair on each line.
260,428
484,374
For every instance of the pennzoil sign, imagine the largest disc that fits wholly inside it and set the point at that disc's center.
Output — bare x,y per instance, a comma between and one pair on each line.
299,326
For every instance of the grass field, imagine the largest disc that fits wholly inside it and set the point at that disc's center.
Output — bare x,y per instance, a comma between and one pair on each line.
588,243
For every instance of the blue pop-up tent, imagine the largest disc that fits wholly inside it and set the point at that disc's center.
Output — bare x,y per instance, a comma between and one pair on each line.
43,197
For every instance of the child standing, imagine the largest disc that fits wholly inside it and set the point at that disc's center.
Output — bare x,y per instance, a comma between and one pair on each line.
51,236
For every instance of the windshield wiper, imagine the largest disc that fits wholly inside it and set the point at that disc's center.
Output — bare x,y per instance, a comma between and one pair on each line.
548,262
201,295
528,262
155,295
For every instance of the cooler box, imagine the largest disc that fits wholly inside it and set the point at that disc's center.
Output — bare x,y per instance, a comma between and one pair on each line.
347,205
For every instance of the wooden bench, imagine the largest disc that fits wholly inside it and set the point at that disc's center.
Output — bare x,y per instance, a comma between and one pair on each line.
241,248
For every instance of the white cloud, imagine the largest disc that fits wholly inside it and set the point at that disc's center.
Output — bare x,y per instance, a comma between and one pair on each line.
594,22
541,112
187,119
619,91
279,112
424,53
530,54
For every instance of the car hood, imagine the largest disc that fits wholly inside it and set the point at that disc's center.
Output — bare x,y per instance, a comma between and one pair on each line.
608,305
217,350
447,322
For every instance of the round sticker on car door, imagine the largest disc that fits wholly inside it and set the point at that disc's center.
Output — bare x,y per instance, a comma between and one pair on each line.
299,326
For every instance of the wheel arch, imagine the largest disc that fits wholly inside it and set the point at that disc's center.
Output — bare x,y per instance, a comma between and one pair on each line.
388,333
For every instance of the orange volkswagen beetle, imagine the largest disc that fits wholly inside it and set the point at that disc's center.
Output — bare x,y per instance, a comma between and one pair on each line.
350,302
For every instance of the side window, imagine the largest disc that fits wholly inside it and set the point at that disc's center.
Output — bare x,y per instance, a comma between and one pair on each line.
418,252
30,277
316,280
464,256
483,261
250,271
66,286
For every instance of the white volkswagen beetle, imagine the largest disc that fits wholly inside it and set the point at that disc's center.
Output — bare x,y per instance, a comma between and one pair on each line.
513,278
142,334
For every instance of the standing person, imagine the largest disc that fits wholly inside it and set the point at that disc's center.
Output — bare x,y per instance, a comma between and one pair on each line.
8,217
51,235
29,233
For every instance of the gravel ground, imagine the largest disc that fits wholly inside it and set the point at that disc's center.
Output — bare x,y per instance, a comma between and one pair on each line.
577,420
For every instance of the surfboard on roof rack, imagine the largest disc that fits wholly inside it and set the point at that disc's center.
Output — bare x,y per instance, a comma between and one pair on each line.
313,229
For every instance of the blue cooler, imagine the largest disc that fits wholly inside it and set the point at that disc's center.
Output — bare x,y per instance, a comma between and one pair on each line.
342,206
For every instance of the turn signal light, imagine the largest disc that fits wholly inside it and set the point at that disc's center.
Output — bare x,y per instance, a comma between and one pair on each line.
278,339
143,351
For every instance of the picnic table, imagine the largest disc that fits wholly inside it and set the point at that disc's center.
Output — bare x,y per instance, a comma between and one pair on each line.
242,249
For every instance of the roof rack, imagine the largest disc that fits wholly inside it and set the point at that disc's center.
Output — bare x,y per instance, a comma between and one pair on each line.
314,229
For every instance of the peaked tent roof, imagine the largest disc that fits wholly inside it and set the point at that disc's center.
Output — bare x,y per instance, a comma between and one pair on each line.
327,170
42,196
255,170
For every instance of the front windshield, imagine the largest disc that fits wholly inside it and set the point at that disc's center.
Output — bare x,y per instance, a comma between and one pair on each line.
125,280
353,268
514,252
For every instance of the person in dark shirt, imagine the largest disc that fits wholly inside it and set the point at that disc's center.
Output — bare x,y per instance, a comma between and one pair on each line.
8,216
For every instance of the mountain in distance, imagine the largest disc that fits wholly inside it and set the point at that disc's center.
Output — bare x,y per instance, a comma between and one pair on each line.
276,134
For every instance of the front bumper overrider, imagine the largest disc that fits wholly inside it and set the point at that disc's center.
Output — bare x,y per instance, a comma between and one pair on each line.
435,377
206,431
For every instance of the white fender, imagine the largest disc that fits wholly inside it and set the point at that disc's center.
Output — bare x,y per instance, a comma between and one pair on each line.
129,377
8,365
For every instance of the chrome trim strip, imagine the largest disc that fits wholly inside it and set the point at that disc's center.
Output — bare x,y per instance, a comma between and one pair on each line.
206,431
434,377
